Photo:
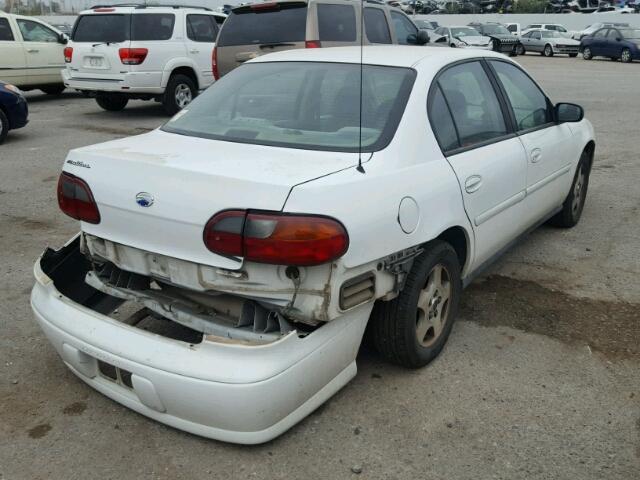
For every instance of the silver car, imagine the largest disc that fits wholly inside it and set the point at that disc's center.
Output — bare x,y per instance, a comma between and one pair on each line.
463,37
548,43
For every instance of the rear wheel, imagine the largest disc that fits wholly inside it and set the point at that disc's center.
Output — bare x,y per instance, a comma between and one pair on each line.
548,51
573,205
412,329
4,126
112,102
586,53
181,90
625,56
53,89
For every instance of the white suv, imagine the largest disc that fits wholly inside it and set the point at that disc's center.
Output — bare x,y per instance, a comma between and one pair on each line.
142,52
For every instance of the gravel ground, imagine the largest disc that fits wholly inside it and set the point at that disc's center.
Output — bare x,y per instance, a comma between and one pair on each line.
539,379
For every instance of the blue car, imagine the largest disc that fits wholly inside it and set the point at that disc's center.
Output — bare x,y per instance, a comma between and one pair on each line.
14,112
614,42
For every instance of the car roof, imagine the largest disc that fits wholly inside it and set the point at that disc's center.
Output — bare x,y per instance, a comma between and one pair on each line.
399,56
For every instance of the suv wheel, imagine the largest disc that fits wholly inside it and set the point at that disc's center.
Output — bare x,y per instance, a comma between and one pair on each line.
181,90
53,89
4,126
412,329
112,102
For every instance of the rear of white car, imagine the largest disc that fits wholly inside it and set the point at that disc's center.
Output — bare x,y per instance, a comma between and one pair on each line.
120,53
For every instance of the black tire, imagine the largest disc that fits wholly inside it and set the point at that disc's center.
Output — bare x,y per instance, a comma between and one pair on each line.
573,205
520,49
586,53
179,87
548,50
4,126
625,55
112,102
53,89
395,324
573,55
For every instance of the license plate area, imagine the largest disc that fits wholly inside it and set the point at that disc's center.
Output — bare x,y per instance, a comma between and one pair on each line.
95,62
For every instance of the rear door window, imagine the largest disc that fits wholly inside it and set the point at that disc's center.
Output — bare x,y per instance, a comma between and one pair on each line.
152,26
201,28
6,35
375,24
406,31
442,122
101,28
336,23
252,25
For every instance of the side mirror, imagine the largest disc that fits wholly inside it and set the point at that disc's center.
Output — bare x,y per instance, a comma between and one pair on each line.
62,38
568,112
422,38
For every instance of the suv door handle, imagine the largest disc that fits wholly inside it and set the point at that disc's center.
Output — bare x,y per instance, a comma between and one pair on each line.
536,155
193,50
473,183
33,50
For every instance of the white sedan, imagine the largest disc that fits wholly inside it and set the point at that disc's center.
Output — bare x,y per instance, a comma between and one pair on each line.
229,262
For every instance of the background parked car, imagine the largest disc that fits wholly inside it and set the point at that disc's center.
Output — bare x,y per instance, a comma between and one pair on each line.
615,43
63,27
593,28
257,29
556,27
160,53
514,28
502,40
13,109
548,43
31,53
464,37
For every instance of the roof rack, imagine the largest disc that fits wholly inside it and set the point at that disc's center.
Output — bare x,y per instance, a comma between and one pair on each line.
144,5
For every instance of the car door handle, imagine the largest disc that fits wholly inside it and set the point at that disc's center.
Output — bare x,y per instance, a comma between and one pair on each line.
33,50
193,50
473,183
536,155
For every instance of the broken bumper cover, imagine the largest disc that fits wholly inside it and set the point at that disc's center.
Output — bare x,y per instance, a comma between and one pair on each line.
231,392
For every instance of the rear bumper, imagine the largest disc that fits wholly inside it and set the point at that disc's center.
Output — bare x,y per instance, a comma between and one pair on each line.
133,82
226,391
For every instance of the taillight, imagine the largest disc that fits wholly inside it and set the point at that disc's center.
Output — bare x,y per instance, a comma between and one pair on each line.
276,238
133,56
76,200
312,44
214,63
68,54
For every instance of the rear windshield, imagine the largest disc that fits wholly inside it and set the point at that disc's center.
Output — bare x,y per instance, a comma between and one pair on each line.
305,105
246,26
122,27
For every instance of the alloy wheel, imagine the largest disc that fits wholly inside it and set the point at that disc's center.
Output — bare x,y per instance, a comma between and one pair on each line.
626,55
433,306
548,51
586,53
578,192
183,95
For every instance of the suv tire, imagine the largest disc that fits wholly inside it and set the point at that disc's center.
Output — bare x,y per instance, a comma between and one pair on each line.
4,126
53,89
573,205
112,102
412,329
180,91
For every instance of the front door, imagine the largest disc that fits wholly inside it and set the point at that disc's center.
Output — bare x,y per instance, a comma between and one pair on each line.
12,61
43,51
486,156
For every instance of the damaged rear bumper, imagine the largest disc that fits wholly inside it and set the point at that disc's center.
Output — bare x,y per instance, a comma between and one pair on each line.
228,391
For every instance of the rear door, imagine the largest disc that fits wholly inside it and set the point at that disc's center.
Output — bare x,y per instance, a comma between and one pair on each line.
97,39
202,31
336,25
258,29
13,64
471,125
43,52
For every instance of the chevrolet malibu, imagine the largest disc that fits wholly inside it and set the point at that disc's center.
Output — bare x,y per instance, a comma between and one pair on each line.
229,262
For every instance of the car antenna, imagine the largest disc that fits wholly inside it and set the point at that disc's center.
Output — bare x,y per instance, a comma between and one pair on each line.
360,167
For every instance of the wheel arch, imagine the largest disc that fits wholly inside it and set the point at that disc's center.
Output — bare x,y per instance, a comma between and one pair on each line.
187,71
460,240
590,149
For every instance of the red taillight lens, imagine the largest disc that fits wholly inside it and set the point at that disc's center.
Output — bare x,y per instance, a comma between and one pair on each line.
76,200
276,238
133,56
214,63
312,44
68,54
256,7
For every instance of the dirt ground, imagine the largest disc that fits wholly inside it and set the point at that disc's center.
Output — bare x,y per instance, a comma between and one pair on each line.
540,378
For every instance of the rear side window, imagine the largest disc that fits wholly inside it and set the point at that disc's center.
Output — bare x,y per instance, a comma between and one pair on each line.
5,31
473,104
101,28
152,26
375,24
201,28
442,122
247,26
406,32
336,23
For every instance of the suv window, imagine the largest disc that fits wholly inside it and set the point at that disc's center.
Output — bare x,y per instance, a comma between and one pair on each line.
336,23
305,105
101,28
6,35
201,28
375,24
152,26
36,32
473,104
442,122
406,31
530,106
245,26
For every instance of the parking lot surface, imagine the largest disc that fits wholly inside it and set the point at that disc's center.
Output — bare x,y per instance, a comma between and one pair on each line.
540,378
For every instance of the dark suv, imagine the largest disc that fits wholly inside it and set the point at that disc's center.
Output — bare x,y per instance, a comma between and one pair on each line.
261,28
502,40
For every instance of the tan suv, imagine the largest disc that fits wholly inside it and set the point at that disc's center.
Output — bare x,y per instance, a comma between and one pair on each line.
261,28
